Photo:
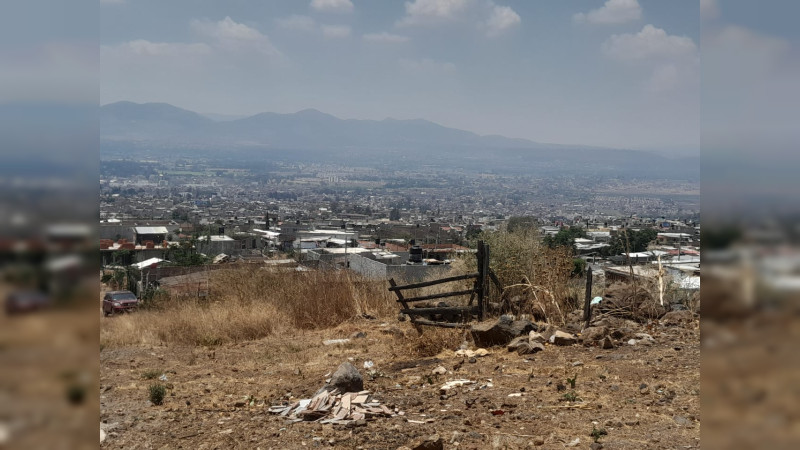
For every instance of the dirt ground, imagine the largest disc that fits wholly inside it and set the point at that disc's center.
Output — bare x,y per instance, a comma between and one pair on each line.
641,396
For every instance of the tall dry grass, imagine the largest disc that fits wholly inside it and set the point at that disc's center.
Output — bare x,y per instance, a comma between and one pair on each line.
249,303
536,278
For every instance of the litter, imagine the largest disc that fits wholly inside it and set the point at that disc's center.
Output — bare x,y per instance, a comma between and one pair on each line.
334,408
596,301
368,364
455,383
163,377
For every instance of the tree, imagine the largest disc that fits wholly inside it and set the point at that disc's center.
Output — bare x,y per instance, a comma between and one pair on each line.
394,214
520,222
631,241
565,237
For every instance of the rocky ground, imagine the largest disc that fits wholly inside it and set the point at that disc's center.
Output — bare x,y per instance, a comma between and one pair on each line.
639,394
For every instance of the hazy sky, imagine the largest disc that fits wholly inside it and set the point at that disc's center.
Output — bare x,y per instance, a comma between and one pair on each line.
621,73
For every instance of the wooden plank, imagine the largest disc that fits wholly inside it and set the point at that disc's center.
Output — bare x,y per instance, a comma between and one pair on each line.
495,280
434,296
440,310
433,282
400,297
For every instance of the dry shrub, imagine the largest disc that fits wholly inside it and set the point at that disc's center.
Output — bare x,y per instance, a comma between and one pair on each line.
535,277
433,340
632,301
250,303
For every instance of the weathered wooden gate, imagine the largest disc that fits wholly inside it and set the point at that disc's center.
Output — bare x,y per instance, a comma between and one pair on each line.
464,314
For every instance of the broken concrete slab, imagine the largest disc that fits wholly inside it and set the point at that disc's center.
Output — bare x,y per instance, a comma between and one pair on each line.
562,338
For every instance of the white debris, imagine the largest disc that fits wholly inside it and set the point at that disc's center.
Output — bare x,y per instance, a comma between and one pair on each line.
335,341
455,383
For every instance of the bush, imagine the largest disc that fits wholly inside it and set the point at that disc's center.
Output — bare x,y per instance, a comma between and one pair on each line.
535,277
157,393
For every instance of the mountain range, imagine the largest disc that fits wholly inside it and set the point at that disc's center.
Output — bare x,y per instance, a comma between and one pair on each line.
311,132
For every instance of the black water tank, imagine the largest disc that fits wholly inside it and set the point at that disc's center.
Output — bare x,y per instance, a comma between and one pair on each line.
415,255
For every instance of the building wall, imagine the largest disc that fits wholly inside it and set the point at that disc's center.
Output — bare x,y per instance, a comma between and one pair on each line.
377,270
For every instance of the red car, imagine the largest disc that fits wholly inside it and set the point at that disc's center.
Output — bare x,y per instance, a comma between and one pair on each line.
24,301
119,302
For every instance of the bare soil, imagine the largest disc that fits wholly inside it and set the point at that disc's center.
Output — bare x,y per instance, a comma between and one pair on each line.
641,396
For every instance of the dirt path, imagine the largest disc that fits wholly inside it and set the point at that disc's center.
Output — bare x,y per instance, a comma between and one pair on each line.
642,396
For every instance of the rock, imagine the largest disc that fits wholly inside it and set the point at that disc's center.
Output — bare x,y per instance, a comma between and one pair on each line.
518,342
434,442
632,422
682,421
358,335
530,347
676,318
538,441
546,330
439,371
615,423
593,334
562,338
500,332
102,436
346,379
596,446
533,336
335,341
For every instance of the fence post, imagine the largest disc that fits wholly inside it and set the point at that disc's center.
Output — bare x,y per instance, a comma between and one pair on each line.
587,305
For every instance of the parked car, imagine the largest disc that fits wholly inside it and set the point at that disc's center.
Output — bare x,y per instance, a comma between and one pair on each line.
24,301
116,302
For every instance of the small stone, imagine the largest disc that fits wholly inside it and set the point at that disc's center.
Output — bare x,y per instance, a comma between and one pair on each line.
538,441
473,360
596,446
439,371
358,335
682,421
434,442
593,334
614,422
607,343
577,364
632,422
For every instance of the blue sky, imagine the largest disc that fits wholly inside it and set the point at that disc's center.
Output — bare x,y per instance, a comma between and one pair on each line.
621,73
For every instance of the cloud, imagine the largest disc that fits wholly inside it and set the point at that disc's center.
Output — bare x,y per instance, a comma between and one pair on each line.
611,13
651,42
502,19
337,6
673,60
335,31
426,66
143,47
385,37
296,22
485,14
232,36
709,9
430,12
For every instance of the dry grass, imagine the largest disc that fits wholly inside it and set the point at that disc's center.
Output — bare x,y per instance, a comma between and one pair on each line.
536,278
251,303
433,341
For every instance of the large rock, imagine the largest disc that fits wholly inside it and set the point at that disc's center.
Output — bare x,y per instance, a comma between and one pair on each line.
562,338
346,379
524,346
500,332
534,337
593,334
676,318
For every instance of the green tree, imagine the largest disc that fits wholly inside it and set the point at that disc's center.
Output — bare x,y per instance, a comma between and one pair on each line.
565,237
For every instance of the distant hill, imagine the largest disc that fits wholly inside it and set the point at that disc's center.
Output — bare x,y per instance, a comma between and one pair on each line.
318,135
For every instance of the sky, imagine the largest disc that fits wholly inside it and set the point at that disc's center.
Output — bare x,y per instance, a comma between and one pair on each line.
615,73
